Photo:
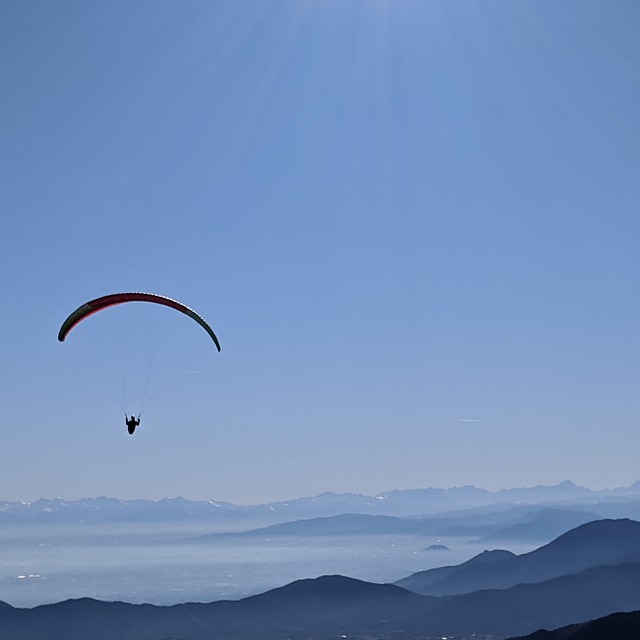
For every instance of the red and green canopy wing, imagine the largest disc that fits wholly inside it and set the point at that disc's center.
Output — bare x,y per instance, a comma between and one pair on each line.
99,304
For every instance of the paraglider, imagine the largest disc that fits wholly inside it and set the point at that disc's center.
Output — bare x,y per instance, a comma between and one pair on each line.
99,304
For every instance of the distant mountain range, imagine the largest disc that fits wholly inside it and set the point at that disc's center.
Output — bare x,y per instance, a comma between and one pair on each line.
608,503
589,572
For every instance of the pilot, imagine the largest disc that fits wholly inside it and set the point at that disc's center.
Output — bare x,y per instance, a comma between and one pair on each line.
131,423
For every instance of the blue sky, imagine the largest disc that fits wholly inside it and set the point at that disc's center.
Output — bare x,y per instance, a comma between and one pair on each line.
413,225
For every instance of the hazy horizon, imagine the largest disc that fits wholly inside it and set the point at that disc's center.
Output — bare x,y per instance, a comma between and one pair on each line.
290,498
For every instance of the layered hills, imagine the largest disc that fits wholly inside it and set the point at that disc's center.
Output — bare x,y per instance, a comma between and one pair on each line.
599,543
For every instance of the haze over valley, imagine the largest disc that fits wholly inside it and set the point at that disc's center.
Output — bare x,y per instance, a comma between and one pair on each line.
374,568
176,550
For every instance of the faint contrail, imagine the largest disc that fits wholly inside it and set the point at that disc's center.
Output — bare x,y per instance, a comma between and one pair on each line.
472,420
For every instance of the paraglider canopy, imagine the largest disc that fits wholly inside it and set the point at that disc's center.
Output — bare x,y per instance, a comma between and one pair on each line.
89,308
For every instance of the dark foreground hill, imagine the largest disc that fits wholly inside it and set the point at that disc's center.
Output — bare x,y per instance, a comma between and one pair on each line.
598,543
307,606
330,606
617,626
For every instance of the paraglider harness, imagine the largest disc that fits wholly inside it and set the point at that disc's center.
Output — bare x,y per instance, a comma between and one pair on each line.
131,423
